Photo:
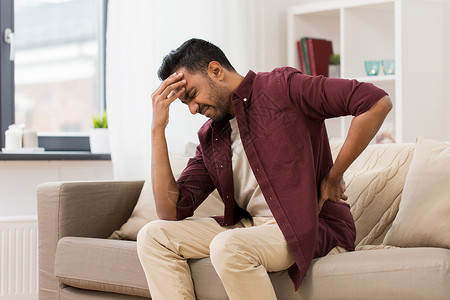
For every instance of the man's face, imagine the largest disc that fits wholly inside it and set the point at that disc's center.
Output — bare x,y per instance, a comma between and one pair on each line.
206,97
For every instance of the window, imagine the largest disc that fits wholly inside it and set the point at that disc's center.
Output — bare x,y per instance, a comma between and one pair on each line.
52,68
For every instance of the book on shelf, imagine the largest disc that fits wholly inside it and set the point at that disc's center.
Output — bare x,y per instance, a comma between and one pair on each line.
301,57
314,55
305,55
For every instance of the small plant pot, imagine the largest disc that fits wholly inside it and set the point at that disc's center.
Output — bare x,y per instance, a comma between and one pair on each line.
334,71
99,140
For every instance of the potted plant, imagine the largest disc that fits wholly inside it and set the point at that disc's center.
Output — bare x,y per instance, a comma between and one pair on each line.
99,135
334,68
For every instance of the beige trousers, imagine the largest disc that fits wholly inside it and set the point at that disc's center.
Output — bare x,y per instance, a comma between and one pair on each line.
241,255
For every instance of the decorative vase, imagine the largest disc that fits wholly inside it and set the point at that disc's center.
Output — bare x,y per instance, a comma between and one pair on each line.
99,140
334,71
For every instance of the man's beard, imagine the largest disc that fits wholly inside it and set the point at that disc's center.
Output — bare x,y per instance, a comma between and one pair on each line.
221,95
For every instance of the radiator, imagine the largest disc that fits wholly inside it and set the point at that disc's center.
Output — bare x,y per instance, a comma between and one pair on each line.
18,258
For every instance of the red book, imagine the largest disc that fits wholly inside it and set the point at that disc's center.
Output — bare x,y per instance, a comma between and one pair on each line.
319,52
301,57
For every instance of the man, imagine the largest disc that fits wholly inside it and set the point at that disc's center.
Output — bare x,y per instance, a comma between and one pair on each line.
266,150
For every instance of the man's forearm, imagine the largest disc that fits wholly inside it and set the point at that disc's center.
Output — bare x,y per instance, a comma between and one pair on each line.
165,188
362,130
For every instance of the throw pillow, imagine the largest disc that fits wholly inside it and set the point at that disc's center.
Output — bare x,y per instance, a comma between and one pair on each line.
374,187
423,216
145,210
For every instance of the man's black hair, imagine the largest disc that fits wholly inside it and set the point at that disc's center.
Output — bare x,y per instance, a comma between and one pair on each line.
194,55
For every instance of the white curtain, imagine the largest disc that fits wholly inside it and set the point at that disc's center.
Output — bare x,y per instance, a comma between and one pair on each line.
139,34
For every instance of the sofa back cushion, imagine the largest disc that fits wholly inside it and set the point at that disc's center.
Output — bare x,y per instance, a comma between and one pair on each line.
145,210
423,219
375,183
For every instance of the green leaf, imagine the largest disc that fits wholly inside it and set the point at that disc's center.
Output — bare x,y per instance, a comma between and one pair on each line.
100,121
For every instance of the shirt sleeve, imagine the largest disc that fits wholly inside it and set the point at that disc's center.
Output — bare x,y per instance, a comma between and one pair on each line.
319,97
194,186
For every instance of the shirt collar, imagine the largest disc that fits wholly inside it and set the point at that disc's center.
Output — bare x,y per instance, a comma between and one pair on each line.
244,90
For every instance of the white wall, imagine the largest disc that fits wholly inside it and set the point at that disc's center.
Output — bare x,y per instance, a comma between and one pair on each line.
19,179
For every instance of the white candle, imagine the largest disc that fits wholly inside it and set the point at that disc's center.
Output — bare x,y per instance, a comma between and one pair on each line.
30,139
13,138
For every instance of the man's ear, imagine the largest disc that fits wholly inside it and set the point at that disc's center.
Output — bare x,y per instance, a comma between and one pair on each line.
216,71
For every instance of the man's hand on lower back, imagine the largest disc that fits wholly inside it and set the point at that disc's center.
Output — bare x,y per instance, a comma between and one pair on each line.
332,189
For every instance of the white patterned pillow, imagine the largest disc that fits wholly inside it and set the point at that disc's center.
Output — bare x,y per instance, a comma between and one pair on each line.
375,183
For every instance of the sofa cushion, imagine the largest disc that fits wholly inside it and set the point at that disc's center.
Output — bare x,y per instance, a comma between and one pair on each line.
101,265
424,213
145,210
390,273
113,266
71,293
374,185
375,182
383,274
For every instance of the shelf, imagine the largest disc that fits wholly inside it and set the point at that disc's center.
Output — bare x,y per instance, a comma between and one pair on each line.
55,155
367,35
413,33
379,78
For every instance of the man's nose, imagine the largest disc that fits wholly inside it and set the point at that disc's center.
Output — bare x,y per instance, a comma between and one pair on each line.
193,107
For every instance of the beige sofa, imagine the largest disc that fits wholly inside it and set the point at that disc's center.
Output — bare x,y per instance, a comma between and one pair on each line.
400,201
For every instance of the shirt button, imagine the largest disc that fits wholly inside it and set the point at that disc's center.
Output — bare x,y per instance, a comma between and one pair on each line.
221,166
245,99
217,139
257,170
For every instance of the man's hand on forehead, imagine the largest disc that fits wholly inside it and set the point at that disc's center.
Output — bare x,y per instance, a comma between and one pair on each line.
167,92
173,86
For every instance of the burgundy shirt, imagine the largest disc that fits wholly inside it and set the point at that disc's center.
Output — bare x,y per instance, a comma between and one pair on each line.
280,116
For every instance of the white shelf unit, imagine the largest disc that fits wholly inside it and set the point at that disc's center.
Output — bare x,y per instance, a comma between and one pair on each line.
416,33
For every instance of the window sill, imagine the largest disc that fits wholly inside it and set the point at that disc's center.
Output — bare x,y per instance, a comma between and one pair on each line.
55,155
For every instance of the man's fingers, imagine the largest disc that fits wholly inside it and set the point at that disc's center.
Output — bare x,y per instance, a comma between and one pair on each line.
170,80
340,199
174,94
173,89
163,85
173,82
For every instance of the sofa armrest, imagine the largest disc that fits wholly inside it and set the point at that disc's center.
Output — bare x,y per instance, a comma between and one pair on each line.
84,209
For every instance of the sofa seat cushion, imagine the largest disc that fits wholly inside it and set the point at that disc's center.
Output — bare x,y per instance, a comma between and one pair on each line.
101,265
207,283
390,273
385,273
